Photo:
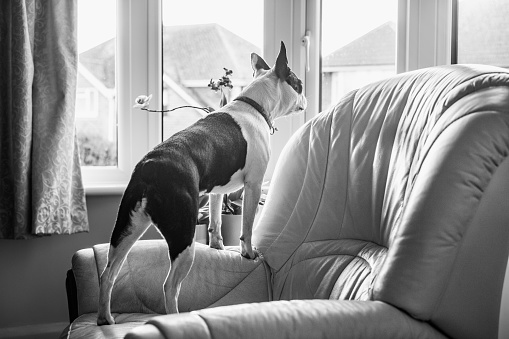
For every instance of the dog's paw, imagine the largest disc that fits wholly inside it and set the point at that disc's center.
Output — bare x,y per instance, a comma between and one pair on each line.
216,243
248,252
105,320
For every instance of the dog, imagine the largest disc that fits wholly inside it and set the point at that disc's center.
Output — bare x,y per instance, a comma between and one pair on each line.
218,154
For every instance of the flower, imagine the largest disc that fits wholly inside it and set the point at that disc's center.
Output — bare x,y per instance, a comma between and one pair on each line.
225,81
142,101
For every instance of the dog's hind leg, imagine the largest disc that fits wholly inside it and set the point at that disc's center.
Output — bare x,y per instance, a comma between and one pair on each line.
175,215
180,268
130,226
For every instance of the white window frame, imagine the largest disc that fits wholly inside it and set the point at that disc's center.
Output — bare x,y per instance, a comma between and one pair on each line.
424,34
424,39
138,71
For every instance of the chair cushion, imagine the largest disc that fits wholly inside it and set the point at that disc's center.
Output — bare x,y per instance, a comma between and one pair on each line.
332,269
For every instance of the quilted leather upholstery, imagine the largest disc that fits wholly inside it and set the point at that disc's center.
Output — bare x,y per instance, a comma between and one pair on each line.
387,192
387,218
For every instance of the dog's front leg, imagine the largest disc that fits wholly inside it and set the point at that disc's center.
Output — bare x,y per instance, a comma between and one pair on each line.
252,192
215,238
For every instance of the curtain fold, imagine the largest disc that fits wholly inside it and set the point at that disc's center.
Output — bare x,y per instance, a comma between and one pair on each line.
41,190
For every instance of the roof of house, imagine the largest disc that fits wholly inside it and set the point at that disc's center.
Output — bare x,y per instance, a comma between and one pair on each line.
193,54
100,62
199,52
377,47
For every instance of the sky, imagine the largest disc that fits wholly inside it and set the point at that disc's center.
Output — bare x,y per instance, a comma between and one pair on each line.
343,20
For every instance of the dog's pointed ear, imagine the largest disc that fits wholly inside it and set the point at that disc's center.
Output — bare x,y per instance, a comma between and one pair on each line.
258,63
282,69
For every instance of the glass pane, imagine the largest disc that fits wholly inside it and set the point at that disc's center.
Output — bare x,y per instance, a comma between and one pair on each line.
96,113
358,45
483,32
197,45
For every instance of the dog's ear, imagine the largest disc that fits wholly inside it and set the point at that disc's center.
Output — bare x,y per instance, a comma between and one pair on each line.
258,64
282,69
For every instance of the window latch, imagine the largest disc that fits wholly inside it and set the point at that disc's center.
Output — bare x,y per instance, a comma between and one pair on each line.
306,42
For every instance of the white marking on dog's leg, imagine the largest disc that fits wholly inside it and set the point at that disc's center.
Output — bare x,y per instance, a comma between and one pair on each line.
215,238
252,192
139,223
179,269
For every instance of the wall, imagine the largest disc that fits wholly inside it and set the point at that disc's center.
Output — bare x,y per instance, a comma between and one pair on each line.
32,278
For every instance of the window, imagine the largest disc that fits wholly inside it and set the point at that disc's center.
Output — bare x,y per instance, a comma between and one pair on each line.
358,45
119,49
96,123
483,33
197,45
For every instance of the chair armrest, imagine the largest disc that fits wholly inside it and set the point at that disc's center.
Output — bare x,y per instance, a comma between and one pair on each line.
220,278
216,278
290,319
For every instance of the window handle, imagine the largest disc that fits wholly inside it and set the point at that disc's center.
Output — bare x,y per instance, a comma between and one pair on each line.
306,42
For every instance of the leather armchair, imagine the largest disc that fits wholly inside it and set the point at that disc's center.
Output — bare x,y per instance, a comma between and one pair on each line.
387,217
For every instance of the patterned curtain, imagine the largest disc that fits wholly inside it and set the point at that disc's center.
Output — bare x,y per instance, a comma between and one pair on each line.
41,190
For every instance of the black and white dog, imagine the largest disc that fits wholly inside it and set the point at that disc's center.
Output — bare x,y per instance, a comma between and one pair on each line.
219,154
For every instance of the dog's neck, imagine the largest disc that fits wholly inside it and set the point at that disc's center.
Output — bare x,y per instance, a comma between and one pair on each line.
260,110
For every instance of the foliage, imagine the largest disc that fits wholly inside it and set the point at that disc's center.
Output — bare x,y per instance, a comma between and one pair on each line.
96,151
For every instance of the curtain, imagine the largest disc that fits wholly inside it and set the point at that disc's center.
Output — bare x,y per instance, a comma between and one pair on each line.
41,190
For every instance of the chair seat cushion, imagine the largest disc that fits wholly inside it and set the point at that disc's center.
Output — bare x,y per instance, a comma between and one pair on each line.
85,326
330,269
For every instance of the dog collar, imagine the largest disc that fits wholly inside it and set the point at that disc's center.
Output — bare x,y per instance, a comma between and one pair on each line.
259,108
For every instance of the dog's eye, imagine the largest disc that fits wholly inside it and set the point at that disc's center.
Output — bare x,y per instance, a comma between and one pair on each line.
297,87
294,82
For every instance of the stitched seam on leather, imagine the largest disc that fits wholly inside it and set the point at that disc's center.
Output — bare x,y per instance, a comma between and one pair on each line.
332,115
96,259
240,282
347,191
144,306
319,200
447,281
286,225
206,324
343,254
484,75
439,299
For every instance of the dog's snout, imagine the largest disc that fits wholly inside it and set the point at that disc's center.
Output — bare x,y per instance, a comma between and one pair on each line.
303,104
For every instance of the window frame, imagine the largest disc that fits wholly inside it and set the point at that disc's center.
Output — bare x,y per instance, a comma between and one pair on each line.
424,38
138,71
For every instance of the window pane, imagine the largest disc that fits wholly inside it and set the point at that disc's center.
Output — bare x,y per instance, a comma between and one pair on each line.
197,45
96,114
483,32
358,45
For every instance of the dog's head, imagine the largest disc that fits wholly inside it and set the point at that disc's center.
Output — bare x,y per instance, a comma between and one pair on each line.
279,90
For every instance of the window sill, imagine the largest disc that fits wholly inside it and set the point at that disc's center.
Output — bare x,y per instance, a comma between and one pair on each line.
105,189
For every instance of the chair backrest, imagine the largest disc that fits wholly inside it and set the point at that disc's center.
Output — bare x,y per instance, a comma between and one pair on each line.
399,193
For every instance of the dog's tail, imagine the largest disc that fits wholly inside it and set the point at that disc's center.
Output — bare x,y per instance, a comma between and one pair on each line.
132,207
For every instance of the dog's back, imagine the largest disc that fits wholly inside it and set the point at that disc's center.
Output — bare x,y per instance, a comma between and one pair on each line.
170,177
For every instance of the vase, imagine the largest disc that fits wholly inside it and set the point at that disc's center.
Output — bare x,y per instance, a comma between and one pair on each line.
201,234
230,229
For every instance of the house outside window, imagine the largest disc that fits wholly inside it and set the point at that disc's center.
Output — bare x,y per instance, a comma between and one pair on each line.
483,32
